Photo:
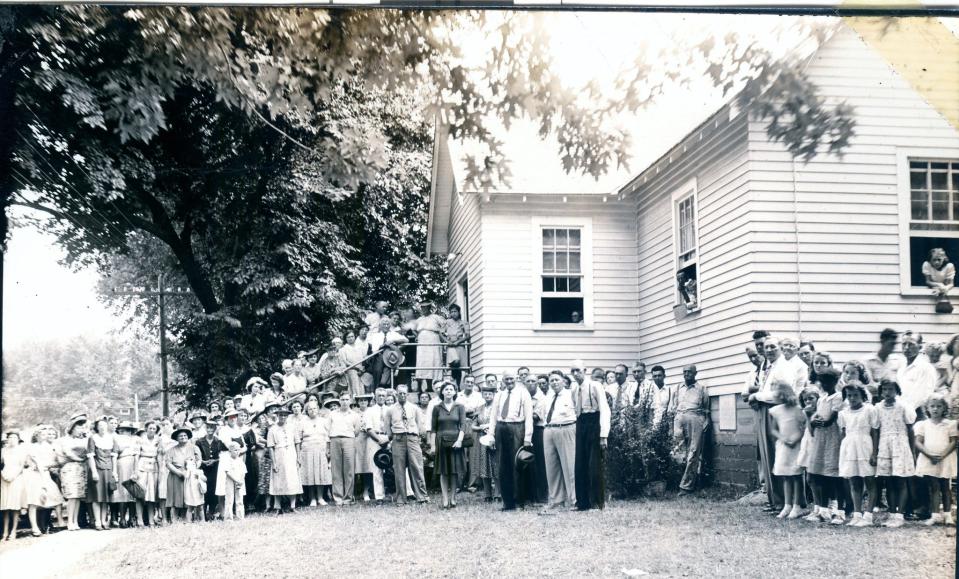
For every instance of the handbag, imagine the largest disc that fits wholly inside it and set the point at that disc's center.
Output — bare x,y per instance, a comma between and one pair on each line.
112,485
135,488
468,439
943,305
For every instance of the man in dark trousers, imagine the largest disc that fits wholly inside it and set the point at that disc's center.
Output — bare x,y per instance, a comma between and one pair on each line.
210,448
592,428
511,421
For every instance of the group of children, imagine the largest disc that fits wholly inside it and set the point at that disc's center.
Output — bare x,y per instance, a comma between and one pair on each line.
849,445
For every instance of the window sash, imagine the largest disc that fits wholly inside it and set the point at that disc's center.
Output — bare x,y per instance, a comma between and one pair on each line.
686,220
562,262
934,193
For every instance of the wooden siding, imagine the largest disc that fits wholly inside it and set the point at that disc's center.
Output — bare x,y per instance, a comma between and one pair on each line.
465,242
843,288
509,337
713,338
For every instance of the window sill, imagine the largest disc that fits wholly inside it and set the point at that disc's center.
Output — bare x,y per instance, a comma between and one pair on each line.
562,328
926,292
680,312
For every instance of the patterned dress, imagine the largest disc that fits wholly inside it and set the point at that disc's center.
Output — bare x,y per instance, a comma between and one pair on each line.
482,455
895,455
314,436
72,456
41,491
822,452
177,457
429,352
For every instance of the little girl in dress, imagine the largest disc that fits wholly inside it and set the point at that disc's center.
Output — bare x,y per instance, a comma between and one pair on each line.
936,443
894,461
859,426
194,489
788,426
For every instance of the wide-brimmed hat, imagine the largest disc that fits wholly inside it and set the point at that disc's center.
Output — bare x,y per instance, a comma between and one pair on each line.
199,415
76,419
283,410
231,413
176,433
255,380
332,401
524,457
328,394
383,458
366,397
392,357
126,424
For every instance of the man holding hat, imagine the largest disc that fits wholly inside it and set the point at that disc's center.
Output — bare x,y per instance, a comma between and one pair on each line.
402,426
511,422
592,428
372,424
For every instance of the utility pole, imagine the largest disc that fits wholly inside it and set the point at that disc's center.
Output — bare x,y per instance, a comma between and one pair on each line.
160,292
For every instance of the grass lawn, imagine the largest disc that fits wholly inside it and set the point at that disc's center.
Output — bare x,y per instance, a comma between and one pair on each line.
691,537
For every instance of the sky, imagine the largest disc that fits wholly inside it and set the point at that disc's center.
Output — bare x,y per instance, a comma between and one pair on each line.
43,299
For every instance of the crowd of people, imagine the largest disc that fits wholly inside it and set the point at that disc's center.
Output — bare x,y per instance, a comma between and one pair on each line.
349,426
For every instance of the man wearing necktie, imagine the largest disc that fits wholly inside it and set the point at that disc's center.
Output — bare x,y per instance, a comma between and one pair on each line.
559,442
592,428
402,427
512,424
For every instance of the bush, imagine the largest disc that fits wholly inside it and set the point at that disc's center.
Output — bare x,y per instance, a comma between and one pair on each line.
640,451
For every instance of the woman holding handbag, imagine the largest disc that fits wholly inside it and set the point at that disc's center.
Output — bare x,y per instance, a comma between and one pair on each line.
449,424
102,452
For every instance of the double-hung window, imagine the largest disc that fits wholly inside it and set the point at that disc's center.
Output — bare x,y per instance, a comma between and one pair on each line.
562,270
686,247
932,221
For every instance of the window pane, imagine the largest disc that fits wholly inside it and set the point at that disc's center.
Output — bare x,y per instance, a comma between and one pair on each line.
561,238
955,179
918,165
562,264
574,265
562,284
549,238
940,165
549,264
575,284
939,181
940,205
548,285
574,235
920,205
917,180
560,310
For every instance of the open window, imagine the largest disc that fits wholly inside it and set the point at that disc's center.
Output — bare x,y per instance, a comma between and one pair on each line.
929,220
686,247
562,279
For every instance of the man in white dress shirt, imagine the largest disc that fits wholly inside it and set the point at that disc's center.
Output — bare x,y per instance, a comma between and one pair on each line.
592,429
511,423
382,337
559,442
372,319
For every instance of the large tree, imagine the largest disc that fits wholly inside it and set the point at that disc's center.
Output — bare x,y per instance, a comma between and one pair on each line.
276,161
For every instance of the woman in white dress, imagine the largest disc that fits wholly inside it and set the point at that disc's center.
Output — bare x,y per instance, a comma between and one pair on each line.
429,351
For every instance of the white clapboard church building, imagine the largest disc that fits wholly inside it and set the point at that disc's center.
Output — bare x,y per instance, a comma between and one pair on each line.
830,250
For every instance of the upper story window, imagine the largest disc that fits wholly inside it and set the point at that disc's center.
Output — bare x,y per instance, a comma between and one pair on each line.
933,219
561,300
686,247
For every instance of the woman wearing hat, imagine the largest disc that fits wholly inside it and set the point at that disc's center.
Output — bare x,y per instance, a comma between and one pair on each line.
333,367
275,392
254,400
128,448
449,423
177,459
72,457
429,351
281,444
146,472
456,334
314,437
264,467
483,457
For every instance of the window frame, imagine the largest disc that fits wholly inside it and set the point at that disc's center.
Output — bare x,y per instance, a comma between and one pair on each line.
904,155
689,189
585,225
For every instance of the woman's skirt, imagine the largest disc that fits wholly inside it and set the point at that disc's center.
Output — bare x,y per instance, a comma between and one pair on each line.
286,480
429,353
266,471
13,495
355,386
174,492
314,467
125,466
73,480
40,490
450,460
98,491
147,474
252,479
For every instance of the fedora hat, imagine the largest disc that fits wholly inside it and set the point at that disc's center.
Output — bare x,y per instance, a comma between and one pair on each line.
126,424
383,458
393,358
331,402
524,457
176,433
198,415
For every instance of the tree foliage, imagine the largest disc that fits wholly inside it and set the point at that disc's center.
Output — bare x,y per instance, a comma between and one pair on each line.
276,161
